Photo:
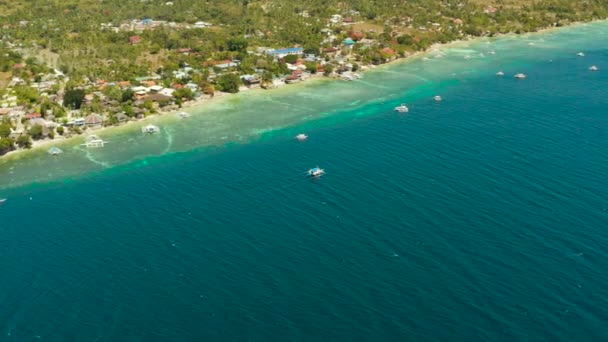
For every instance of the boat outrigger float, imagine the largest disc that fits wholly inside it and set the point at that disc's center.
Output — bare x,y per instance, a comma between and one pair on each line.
316,172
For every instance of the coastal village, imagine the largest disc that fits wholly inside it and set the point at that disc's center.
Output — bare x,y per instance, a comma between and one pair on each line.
160,66
52,106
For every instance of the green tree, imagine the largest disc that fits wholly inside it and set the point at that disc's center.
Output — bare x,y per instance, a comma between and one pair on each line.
405,39
237,44
127,95
6,145
228,83
291,59
113,92
183,93
60,130
5,130
311,67
24,141
73,98
128,111
36,132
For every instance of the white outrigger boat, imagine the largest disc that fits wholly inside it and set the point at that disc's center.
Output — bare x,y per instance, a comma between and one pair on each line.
150,129
437,98
500,73
183,115
316,172
593,68
55,151
580,54
402,108
520,76
301,137
94,141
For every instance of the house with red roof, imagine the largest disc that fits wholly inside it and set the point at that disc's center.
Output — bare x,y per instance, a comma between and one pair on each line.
134,40
32,116
93,120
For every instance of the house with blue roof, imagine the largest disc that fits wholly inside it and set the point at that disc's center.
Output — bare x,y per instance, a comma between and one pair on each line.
280,53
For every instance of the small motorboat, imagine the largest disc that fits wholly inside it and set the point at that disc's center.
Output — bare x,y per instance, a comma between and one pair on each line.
150,129
301,137
580,54
520,76
316,172
183,115
437,98
402,108
593,68
55,151
500,73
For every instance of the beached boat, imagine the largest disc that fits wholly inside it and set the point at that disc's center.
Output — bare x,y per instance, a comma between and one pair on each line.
94,141
150,129
183,115
520,76
55,151
437,98
580,54
593,68
500,73
402,108
301,137
316,172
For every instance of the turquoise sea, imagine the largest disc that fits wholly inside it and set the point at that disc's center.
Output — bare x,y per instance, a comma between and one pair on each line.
482,217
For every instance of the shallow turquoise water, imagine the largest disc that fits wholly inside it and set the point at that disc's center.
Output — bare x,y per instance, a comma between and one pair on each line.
480,218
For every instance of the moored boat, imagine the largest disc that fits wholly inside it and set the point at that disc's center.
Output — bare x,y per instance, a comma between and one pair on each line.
150,129
593,68
55,151
500,73
183,115
520,76
301,137
316,172
437,98
94,141
402,108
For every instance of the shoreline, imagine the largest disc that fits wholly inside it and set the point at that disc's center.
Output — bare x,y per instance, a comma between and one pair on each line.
205,100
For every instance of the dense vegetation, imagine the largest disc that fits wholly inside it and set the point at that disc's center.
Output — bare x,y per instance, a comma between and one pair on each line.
68,34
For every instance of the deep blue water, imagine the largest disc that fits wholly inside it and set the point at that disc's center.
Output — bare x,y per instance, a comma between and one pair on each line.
480,218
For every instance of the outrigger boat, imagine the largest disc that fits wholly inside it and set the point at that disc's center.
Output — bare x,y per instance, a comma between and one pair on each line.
183,115
316,172
301,137
151,129
94,141
402,108
55,151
